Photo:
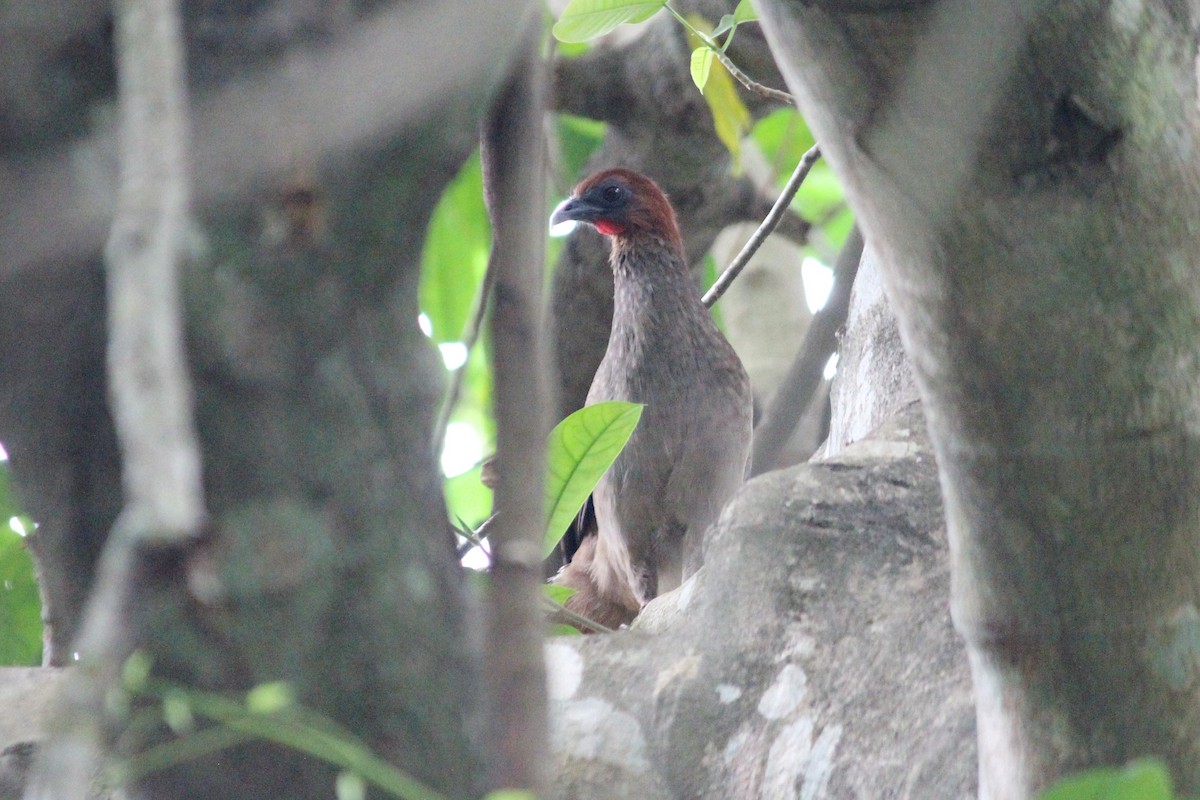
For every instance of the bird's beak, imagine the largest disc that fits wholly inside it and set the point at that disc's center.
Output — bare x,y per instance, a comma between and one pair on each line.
563,212
571,211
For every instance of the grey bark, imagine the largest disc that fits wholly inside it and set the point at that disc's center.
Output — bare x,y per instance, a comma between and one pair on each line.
1027,174
163,503
151,391
874,379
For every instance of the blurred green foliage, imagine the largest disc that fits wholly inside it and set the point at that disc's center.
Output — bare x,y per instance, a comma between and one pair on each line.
1146,779
783,138
455,255
578,137
20,607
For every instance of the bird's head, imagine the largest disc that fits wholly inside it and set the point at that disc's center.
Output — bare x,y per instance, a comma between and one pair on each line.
622,204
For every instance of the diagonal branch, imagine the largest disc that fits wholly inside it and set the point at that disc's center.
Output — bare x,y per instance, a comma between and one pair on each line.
764,230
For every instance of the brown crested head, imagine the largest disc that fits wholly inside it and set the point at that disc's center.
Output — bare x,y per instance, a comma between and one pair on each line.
623,204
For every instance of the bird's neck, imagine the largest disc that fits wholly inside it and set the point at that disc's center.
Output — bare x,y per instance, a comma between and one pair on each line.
653,286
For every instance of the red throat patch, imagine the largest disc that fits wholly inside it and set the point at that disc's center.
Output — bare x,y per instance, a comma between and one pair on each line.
609,228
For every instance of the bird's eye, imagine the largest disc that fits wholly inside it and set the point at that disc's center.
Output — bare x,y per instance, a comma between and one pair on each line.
612,194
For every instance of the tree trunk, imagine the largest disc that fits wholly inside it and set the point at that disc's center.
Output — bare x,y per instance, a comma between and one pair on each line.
1028,175
328,561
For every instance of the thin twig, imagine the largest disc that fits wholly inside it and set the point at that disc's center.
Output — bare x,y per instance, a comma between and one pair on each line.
576,618
751,84
469,338
764,230
475,537
298,728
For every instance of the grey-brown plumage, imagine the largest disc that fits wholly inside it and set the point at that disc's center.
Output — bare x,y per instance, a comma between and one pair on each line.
689,452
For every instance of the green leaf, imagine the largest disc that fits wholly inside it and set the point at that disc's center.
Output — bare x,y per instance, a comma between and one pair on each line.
744,13
581,448
563,629
20,605
586,19
702,61
467,497
135,671
709,274
455,254
557,594
731,118
727,23
822,195
1147,779
784,138
837,227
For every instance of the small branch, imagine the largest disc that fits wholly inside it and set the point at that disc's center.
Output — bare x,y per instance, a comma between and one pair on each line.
475,537
751,84
727,62
151,398
805,374
575,618
151,392
764,230
469,338
296,728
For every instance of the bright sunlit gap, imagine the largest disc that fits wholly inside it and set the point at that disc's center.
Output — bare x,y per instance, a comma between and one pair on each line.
831,367
818,282
425,324
454,354
18,527
462,450
476,559
562,228
3,453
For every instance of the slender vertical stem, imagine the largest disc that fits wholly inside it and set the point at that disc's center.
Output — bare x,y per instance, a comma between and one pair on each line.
150,390
514,184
